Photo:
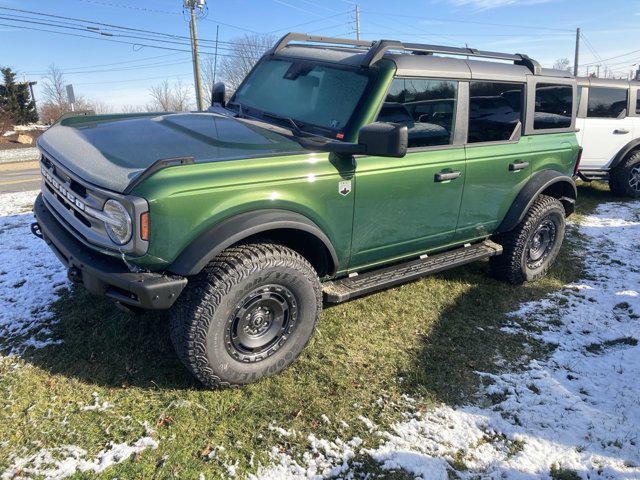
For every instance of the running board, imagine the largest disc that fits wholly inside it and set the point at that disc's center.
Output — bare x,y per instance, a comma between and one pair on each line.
344,289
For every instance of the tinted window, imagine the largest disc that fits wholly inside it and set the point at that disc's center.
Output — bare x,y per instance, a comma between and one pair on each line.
494,110
314,94
554,106
427,107
638,102
606,102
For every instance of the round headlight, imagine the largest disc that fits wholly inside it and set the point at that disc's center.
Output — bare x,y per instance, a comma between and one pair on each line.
119,227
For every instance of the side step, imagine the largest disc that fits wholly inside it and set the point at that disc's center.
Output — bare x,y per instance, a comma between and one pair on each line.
344,289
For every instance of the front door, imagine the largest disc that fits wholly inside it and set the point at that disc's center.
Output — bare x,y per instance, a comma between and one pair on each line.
405,206
607,127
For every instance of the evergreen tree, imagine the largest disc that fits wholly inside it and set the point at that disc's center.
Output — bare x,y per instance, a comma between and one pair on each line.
15,99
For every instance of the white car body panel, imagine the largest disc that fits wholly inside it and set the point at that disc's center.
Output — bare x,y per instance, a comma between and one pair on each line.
603,138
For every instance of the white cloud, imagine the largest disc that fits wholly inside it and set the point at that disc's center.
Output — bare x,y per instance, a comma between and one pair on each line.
489,4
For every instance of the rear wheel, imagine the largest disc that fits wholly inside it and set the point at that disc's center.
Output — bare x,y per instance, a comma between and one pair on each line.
532,247
624,180
248,315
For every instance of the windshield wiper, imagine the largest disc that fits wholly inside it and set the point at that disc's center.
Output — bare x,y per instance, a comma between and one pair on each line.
295,127
240,113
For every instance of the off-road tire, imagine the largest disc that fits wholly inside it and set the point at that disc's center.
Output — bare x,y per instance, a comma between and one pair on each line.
622,176
201,319
514,265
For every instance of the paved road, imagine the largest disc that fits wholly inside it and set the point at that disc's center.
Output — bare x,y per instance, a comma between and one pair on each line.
19,177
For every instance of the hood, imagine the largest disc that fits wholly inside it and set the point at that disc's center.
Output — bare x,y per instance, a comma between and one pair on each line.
112,151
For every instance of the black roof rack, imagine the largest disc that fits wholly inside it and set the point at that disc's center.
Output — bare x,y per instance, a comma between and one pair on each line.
377,49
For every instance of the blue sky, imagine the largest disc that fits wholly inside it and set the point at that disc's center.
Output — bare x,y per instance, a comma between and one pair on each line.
543,29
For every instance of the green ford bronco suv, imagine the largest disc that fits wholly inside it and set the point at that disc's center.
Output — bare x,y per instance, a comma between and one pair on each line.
337,168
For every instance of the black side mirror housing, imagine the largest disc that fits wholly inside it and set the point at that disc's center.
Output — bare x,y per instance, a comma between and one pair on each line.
378,139
217,94
382,139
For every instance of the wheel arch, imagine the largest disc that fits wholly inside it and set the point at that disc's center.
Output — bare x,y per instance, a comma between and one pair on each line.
291,229
624,152
545,182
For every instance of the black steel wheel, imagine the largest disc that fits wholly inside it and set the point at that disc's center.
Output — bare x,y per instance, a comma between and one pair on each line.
261,324
248,315
531,248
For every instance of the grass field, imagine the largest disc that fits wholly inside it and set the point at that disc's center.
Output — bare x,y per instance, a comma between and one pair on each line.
114,378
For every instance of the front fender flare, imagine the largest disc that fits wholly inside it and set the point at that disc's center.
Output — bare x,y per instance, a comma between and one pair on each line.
565,190
234,229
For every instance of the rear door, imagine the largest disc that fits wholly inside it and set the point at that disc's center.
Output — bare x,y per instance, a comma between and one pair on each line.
405,206
498,158
607,127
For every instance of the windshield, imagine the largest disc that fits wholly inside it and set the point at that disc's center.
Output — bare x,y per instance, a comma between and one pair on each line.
306,92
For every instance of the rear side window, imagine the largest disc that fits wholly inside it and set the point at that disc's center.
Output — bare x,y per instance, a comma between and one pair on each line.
427,107
554,106
607,102
494,110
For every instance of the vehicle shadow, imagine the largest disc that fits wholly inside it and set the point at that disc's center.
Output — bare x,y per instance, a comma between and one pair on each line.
102,345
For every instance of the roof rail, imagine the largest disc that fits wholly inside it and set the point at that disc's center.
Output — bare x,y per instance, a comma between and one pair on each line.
377,49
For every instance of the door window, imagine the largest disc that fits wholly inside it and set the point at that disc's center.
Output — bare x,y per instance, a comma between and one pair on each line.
427,107
495,110
554,106
607,102
638,102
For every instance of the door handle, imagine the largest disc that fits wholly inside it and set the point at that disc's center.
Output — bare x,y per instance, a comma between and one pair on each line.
515,166
444,175
621,131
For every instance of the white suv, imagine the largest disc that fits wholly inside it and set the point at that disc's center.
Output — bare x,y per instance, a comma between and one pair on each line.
609,133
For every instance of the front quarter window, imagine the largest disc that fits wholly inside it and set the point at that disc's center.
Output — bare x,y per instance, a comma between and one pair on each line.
310,93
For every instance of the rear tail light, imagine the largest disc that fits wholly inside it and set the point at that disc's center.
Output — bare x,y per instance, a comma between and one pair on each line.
577,167
144,226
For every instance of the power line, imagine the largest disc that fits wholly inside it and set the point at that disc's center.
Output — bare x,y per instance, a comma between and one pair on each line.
136,44
110,25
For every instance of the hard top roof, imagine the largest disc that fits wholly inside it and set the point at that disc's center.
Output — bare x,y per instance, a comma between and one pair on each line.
414,59
606,82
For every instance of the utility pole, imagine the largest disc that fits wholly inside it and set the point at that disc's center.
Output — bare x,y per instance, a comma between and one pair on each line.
192,5
215,58
357,22
598,71
577,58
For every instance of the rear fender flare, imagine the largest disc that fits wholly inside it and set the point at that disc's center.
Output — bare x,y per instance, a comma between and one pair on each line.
234,229
565,190
624,153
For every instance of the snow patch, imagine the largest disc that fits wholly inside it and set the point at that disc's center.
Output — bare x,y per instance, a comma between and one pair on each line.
62,462
30,274
578,409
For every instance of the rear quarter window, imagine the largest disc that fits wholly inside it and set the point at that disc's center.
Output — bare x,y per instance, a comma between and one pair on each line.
494,110
607,102
554,106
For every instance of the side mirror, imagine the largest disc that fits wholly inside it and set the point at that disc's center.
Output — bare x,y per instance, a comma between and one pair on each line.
383,139
377,139
217,94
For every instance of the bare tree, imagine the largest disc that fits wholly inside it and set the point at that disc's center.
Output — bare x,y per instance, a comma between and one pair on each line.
54,89
170,98
56,102
562,64
235,64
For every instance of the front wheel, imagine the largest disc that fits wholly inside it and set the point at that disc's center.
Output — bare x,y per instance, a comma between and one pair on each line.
247,315
624,180
530,249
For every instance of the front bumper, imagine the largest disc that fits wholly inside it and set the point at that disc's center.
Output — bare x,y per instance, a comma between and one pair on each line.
102,274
